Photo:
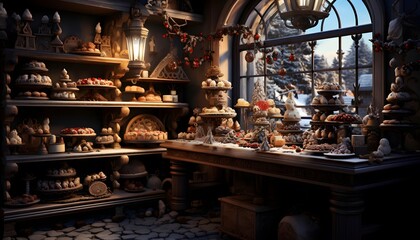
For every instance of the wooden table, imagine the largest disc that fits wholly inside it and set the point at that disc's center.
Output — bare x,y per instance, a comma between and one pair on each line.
345,178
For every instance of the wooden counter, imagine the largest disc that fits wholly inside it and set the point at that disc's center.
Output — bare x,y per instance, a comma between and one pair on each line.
346,178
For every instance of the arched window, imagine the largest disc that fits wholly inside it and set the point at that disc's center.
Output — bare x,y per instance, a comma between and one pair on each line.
336,50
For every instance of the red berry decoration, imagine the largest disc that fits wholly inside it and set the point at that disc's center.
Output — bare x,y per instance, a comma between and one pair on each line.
249,56
257,36
269,60
282,71
292,57
275,55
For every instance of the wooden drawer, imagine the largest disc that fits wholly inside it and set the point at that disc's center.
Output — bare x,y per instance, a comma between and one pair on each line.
245,220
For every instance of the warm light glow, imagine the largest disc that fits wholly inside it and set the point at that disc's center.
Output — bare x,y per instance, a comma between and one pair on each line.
136,35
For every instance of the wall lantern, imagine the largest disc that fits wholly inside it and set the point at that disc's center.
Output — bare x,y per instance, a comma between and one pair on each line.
136,35
303,14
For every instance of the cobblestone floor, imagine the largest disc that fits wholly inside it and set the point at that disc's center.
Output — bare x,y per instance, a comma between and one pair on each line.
136,224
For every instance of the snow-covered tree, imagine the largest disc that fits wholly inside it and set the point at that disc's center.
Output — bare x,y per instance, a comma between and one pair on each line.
364,58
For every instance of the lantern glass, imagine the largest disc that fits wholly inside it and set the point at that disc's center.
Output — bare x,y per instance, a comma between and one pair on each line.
303,14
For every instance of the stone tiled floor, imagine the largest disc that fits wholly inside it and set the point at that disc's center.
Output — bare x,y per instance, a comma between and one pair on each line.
136,224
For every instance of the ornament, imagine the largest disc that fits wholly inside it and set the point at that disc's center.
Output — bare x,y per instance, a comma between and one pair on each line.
292,57
275,55
172,66
282,71
249,56
269,59
393,63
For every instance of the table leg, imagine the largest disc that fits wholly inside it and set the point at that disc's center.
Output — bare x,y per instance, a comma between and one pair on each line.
346,209
179,200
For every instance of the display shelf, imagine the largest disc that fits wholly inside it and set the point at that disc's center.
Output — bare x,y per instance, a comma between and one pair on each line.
162,80
65,57
118,197
94,104
102,153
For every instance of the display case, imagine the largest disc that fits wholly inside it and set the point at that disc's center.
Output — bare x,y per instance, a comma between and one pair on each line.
95,106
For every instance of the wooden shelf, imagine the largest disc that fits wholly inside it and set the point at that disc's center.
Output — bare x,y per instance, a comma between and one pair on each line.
65,57
92,104
161,80
102,153
118,197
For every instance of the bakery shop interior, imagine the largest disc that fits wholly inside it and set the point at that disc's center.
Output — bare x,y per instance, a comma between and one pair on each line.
186,119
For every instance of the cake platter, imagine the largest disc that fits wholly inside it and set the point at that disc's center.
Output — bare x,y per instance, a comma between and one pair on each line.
17,204
339,155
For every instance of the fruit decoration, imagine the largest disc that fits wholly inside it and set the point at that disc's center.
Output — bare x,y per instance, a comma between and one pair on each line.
263,105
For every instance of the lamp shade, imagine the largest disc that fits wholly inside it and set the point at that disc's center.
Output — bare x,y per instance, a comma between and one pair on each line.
136,35
303,14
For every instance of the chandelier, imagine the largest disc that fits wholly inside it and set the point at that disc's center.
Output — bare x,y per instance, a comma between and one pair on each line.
303,14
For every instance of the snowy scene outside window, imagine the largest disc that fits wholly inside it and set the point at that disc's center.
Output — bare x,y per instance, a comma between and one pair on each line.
336,50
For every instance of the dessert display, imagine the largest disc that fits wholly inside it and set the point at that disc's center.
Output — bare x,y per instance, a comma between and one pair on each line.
100,176
35,66
56,145
106,136
328,125
213,80
242,103
145,128
86,48
150,96
59,182
33,82
95,88
396,111
22,200
77,131
217,118
260,113
78,142
65,89
290,127
341,150
190,134
95,82
134,175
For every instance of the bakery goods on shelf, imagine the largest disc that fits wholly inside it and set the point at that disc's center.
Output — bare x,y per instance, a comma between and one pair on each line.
329,86
35,65
59,184
215,110
93,81
396,110
213,80
87,47
242,103
61,172
343,118
35,94
34,79
65,88
77,131
145,135
136,89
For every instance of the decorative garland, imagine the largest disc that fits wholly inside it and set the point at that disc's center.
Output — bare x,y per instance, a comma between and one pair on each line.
400,49
190,43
